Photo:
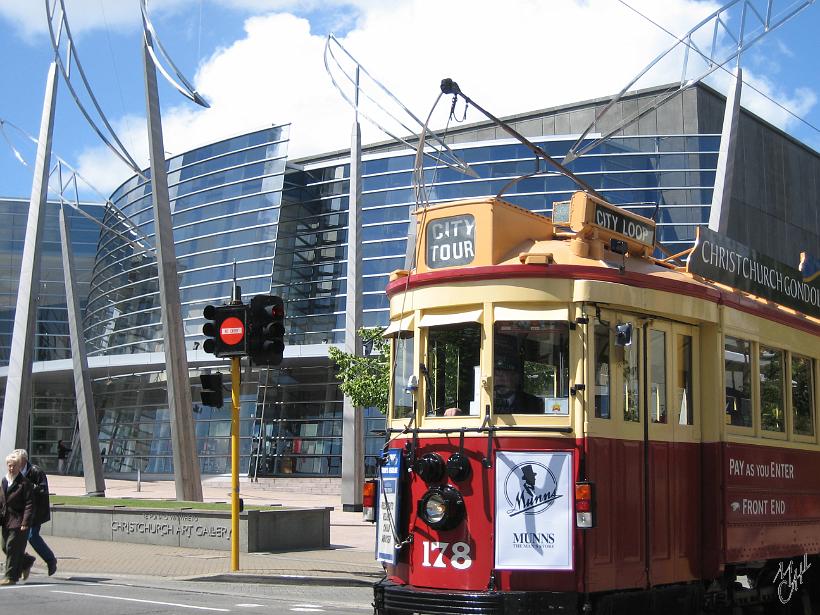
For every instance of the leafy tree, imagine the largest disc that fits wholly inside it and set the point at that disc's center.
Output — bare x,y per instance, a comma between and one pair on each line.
365,380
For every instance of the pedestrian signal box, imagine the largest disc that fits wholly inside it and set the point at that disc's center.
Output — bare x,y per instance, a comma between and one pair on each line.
212,394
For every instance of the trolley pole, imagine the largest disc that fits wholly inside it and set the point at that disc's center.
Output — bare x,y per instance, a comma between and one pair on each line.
235,381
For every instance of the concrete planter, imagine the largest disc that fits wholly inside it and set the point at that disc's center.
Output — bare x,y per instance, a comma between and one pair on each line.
259,530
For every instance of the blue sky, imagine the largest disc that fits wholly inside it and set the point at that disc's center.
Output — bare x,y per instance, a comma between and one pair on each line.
259,62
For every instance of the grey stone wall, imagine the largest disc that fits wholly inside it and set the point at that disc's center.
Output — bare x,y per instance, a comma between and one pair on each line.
259,530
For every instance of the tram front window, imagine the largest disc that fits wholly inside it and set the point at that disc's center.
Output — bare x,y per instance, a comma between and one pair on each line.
402,373
453,372
531,367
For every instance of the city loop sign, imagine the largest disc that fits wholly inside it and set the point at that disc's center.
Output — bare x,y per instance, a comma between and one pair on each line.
589,215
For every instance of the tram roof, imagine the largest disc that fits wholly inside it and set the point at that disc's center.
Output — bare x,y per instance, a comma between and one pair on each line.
475,240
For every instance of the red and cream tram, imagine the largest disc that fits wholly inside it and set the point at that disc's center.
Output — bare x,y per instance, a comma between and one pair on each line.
578,427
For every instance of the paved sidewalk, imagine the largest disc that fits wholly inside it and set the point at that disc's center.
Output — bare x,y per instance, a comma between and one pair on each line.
349,561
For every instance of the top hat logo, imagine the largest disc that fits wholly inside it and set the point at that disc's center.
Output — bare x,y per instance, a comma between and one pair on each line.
530,488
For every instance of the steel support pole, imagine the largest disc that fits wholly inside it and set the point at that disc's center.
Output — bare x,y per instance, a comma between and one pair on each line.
86,415
183,437
236,374
353,422
17,403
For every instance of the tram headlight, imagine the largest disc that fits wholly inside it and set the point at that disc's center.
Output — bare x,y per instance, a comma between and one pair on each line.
442,507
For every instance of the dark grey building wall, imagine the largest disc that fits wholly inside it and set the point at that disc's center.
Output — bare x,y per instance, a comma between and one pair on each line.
775,193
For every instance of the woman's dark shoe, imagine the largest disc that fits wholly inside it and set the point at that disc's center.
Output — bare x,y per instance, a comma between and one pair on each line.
52,567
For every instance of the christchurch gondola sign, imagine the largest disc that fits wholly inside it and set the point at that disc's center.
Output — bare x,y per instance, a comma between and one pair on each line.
724,260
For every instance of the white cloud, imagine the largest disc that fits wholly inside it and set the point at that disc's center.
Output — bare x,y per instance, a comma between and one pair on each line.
509,57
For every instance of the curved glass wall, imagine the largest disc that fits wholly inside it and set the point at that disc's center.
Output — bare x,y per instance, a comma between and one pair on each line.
225,201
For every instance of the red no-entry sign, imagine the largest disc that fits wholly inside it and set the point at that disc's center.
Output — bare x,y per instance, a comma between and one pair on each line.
231,331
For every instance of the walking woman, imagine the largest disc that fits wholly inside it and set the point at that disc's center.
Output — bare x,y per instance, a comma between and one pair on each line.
16,511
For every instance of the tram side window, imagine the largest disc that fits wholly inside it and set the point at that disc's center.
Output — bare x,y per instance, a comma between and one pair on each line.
684,380
603,392
737,361
453,372
772,415
803,395
630,368
531,371
657,370
402,373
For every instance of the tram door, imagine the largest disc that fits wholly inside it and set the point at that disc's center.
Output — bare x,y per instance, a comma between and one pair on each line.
672,452
642,429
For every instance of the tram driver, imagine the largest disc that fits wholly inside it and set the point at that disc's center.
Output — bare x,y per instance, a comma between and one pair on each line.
509,396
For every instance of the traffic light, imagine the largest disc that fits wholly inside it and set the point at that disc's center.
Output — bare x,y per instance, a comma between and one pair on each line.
225,330
267,330
212,394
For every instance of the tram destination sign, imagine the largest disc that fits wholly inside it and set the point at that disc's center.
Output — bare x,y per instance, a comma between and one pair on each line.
451,241
617,221
611,222
724,260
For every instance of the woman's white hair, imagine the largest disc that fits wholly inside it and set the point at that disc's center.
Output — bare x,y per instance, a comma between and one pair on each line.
13,456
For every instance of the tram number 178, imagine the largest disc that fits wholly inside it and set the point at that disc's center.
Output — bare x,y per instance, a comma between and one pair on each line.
459,554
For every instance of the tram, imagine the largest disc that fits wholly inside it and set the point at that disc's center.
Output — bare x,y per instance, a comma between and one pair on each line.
576,426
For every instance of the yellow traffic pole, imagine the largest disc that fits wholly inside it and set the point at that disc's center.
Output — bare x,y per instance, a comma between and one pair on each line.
235,380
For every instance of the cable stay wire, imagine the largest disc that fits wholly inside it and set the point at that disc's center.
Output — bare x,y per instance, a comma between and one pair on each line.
183,86
71,55
439,151
8,141
143,242
74,203
717,25
727,71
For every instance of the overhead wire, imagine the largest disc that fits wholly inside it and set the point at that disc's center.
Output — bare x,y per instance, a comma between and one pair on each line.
114,65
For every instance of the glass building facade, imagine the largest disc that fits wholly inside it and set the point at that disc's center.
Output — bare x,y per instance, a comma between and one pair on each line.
54,408
282,225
